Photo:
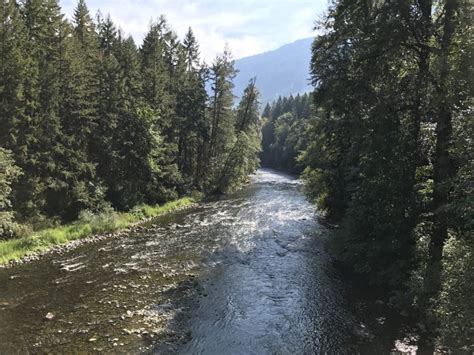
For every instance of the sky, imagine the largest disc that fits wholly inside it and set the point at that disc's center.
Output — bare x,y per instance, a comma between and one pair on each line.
248,26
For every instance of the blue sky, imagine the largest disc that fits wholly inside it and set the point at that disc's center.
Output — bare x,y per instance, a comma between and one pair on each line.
248,26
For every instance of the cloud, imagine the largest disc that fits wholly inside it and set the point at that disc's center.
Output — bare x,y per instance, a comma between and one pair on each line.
247,26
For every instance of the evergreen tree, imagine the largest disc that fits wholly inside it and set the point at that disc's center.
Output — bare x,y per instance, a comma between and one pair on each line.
191,111
77,112
155,58
158,61
241,158
108,98
47,32
14,69
221,115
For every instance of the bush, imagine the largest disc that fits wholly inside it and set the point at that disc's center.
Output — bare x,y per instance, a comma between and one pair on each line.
456,303
9,172
7,226
89,223
107,220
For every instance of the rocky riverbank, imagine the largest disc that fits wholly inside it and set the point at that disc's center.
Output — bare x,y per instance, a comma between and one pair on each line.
138,226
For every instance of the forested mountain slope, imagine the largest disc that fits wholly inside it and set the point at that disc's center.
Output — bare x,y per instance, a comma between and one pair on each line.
282,72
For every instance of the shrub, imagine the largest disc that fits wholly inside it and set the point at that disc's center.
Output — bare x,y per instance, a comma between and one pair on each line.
456,303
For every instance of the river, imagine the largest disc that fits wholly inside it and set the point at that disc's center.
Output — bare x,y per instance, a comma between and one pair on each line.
244,274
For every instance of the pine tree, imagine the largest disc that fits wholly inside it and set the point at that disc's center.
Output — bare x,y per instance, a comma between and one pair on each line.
144,171
46,29
247,111
155,58
130,80
222,73
158,63
86,54
190,109
108,98
241,157
14,70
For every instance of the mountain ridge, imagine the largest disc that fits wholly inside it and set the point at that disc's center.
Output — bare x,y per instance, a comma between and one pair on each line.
280,72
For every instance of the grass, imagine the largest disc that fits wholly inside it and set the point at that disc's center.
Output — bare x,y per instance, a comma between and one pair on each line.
88,224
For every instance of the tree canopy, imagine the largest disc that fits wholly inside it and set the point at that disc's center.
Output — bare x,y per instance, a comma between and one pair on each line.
92,120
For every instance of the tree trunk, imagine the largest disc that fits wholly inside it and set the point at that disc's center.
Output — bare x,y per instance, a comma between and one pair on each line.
443,167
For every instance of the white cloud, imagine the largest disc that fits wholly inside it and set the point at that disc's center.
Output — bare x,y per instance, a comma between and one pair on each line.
248,26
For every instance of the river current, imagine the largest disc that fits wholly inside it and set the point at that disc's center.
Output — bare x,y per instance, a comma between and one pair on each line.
244,274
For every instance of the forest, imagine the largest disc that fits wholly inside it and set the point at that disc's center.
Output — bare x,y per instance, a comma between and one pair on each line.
285,123
91,122
93,125
388,153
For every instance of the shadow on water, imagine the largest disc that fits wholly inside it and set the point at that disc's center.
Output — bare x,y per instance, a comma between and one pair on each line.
246,273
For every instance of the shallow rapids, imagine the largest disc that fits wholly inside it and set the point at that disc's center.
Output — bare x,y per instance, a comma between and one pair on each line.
245,274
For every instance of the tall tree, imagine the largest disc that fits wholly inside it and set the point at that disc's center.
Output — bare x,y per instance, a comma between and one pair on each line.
155,58
191,99
241,156
14,67
443,166
222,73
48,34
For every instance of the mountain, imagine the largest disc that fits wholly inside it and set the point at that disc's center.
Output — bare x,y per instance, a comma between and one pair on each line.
280,72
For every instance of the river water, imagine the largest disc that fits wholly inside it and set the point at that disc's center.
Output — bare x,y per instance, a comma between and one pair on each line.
245,274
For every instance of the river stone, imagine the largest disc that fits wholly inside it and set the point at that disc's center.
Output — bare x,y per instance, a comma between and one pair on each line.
49,316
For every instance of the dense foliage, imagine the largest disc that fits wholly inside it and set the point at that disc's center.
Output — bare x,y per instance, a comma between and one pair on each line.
390,159
9,172
284,132
91,120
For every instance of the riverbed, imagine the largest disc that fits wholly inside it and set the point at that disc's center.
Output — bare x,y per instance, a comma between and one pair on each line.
247,273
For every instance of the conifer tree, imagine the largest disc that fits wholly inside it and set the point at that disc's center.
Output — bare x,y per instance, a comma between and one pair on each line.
104,145
47,41
14,71
190,109
222,73
155,58
241,157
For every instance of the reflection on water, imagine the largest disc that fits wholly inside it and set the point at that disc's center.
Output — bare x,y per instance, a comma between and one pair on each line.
243,274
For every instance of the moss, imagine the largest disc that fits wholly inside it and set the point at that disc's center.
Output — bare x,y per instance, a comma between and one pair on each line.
88,225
